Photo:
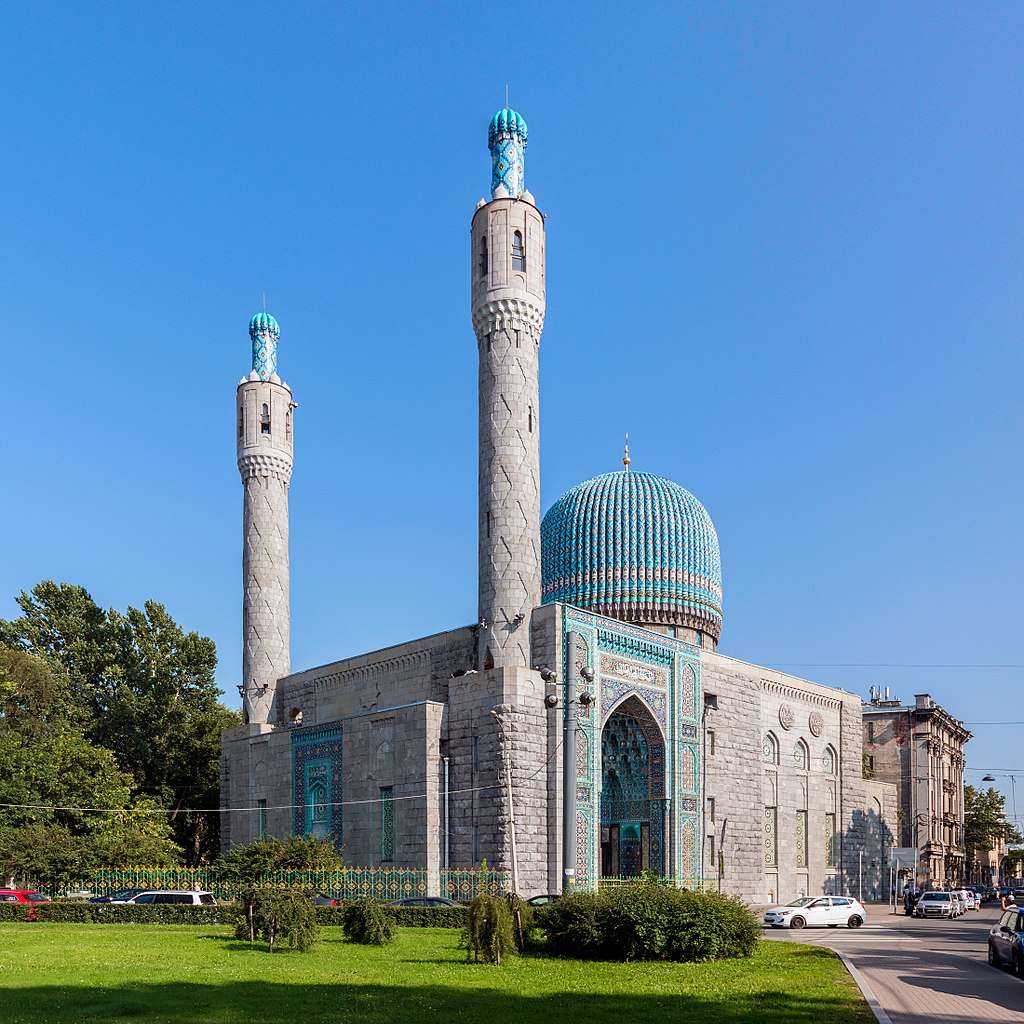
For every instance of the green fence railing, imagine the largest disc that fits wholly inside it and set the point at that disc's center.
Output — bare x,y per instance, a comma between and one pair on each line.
382,883
694,884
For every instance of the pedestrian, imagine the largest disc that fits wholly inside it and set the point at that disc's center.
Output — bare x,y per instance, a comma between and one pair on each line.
1006,901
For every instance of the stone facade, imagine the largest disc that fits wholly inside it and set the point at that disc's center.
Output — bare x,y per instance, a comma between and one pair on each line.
919,749
265,444
508,303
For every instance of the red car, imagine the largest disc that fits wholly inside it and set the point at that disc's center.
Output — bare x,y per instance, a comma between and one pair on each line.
22,896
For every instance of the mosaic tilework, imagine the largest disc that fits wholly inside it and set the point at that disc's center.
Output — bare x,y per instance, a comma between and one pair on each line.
264,332
633,546
506,139
316,782
669,711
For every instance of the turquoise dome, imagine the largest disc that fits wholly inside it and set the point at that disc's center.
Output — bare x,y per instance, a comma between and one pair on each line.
506,122
263,325
637,547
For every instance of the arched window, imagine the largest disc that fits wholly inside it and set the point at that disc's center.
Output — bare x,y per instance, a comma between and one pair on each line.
288,425
518,252
241,424
483,255
265,420
828,761
770,749
801,756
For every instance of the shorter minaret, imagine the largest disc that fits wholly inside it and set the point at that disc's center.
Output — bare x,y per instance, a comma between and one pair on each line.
265,440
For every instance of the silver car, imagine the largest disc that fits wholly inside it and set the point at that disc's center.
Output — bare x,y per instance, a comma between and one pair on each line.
936,904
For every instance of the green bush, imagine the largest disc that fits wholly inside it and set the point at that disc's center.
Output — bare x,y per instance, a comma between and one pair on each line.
403,917
649,921
14,912
279,916
367,923
488,932
76,912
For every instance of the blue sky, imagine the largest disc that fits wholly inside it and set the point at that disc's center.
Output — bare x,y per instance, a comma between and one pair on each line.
784,254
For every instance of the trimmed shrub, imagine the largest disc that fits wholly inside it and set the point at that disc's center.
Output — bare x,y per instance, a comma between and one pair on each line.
572,927
403,917
488,933
14,912
76,912
367,923
649,921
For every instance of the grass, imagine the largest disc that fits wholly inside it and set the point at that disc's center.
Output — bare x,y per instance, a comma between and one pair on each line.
186,975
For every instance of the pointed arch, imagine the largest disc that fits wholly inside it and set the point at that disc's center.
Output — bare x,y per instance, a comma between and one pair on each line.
829,761
770,748
802,755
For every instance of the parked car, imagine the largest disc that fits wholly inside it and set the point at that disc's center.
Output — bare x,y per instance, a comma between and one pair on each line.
424,901
320,900
818,911
543,899
22,896
122,896
984,893
189,897
1006,941
936,904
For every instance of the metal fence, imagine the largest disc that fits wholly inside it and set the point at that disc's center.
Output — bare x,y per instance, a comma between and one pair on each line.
381,883
709,884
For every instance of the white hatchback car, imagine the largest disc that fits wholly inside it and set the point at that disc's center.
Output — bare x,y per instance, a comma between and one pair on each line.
818,911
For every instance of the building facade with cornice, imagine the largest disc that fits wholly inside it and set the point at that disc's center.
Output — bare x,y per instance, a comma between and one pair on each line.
687,763
919,748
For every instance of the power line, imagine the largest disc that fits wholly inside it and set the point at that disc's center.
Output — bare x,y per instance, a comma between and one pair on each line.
881,664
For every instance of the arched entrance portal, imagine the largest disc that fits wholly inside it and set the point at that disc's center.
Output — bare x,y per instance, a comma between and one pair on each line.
632,792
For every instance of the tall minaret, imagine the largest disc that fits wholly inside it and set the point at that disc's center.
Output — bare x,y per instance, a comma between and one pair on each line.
507,273
265,441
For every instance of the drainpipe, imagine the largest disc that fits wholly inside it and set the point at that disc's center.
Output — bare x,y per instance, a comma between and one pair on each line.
447,818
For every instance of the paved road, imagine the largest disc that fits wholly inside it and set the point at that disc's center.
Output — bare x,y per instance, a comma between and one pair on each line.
926,971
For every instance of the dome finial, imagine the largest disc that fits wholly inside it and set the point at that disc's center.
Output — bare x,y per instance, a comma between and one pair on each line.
625,454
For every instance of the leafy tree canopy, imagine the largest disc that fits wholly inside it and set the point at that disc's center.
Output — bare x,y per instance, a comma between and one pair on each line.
269,854
134,685
985,819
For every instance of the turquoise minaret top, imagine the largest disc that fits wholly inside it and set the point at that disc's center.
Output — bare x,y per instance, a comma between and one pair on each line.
506,139
264,331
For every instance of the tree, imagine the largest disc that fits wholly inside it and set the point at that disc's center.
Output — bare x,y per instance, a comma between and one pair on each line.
985,821
135,684
253,861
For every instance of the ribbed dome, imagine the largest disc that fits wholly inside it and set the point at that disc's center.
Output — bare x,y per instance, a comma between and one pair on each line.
636,547
504,123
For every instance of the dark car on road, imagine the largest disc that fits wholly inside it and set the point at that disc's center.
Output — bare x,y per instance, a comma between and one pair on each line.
1006,941
122,896
424,901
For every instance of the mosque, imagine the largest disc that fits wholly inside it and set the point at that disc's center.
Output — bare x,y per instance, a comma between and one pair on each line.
444,751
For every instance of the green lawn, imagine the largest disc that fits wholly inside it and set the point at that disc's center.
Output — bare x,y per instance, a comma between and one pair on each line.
64,973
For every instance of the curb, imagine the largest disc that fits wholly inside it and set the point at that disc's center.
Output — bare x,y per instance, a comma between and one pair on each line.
865,989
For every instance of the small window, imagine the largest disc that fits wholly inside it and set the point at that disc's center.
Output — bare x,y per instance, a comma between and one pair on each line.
711,742
261,816
698,638
483,255
288,425
801,756
828,761
241,424
770,749
265,420
711,808
488,522
518,252
387,823
529,413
